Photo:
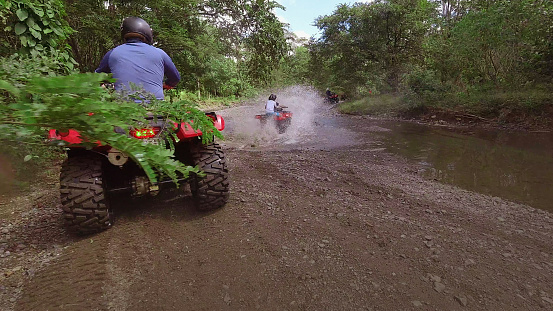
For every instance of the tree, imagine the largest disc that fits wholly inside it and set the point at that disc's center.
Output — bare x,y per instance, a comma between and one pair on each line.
499,44
372,44
192,32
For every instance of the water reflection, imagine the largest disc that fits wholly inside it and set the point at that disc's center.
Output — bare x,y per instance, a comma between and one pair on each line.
515,166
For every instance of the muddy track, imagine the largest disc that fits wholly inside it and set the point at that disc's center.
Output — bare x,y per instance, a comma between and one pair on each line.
339,228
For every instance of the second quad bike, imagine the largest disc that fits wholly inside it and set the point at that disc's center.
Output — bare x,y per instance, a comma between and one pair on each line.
282,119
90,179
333,98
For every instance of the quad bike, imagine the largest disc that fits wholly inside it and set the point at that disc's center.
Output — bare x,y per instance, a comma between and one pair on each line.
282,119
332,98
91,179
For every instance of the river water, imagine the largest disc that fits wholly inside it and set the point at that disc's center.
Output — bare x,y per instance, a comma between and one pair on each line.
516,166
511,165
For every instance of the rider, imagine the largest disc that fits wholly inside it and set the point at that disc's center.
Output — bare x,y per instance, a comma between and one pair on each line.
137,61
271,105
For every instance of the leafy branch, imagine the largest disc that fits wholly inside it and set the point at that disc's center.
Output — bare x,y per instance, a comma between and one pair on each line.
78,102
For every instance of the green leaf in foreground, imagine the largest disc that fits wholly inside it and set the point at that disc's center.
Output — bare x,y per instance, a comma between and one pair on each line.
20,28
78,102
22,14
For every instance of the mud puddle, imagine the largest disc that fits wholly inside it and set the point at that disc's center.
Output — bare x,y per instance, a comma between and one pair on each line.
314,125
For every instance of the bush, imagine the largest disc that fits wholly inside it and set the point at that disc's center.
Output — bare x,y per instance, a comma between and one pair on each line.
386,104
421,81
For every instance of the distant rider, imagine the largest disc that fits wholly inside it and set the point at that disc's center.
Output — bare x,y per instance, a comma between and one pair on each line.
271,106
137,61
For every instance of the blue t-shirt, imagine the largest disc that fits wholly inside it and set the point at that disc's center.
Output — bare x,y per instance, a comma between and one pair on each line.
141,64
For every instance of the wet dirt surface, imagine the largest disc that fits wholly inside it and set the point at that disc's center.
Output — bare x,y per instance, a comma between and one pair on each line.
318,219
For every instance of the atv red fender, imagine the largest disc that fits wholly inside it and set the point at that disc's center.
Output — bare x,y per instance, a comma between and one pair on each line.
72,137
184,131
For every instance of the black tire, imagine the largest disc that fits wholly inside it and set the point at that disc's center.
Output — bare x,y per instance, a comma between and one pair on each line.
212,191
85,207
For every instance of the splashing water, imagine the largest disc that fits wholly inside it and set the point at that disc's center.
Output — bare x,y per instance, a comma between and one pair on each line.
245,131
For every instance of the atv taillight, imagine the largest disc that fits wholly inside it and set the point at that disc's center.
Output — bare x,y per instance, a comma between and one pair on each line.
145,133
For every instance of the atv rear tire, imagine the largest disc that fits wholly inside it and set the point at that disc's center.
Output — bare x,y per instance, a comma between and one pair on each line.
283,125
85,207
212,191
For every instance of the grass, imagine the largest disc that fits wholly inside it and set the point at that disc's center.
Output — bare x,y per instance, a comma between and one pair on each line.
501,104
386,104
210,102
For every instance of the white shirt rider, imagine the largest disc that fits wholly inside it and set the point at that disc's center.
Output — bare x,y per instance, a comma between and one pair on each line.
270,106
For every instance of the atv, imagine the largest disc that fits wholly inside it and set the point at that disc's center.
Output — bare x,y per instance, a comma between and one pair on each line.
282,119
332,98
91,179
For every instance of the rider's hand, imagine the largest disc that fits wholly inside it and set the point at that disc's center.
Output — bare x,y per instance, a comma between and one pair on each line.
167,87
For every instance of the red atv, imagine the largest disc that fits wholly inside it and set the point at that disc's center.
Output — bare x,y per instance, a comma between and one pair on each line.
333,98
90,179
282,119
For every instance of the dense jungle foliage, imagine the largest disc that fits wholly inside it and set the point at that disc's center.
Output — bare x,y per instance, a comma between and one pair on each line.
486,57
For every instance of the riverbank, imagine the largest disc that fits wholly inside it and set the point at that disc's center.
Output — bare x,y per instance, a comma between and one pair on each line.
535,115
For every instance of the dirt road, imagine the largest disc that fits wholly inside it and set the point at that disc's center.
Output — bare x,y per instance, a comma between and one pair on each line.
342,226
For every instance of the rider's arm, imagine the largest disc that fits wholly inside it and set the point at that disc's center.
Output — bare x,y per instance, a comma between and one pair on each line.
171,72
104,64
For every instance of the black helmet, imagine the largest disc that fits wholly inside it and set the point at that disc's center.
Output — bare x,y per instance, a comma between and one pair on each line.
136,27
272,97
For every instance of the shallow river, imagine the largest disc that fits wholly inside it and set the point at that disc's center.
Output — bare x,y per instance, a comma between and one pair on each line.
511,165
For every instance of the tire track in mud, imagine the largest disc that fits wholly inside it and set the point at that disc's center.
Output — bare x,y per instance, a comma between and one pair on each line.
126,256
194,262
72,282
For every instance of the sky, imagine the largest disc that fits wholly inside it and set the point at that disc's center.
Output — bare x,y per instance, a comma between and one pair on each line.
301,14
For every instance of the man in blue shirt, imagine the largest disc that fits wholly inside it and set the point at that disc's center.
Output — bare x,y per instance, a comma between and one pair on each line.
138,62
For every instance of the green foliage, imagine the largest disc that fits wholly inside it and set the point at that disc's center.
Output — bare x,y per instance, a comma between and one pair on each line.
293,69
497,44
386,104
421,81
221,78
78,102
268,32
222,47
36,26
482,56
371,44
